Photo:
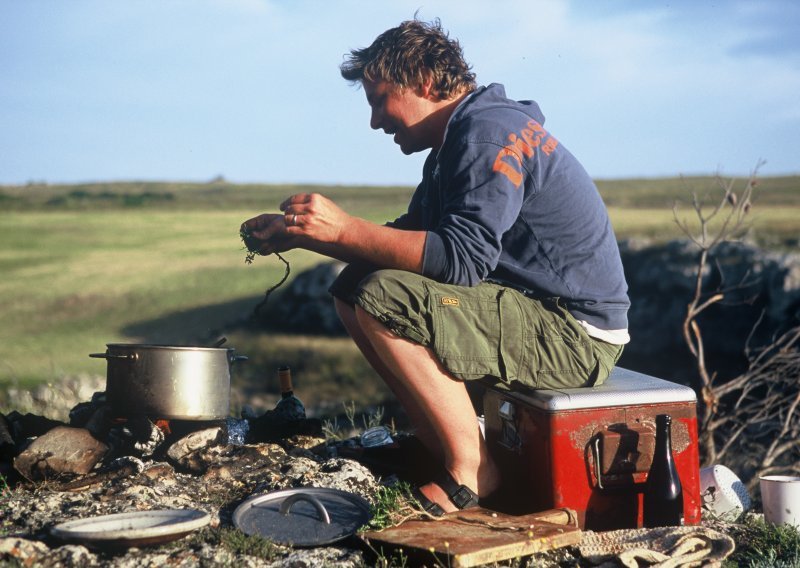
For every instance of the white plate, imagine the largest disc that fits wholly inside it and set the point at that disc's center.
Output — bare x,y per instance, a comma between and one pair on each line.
139,528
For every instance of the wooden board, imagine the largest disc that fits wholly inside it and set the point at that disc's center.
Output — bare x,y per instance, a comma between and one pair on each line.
477,536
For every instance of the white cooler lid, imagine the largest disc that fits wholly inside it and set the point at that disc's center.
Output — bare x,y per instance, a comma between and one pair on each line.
622,388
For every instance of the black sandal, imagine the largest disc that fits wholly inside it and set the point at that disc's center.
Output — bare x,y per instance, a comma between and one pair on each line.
460,495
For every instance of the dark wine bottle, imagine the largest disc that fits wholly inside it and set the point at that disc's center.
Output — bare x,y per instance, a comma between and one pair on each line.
663,494
289,407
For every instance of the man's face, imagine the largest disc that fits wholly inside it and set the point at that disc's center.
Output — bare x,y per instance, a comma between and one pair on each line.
401,113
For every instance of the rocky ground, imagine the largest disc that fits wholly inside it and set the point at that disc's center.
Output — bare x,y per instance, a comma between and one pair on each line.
55,470
52,472
208,472
205,473
219,477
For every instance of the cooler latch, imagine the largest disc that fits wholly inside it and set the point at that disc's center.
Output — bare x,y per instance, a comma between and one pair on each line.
621,454
509,437
506,410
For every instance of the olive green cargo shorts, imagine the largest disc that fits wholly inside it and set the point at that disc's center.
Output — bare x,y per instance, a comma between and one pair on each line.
487,332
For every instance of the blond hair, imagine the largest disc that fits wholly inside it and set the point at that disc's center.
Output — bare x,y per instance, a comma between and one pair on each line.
409,54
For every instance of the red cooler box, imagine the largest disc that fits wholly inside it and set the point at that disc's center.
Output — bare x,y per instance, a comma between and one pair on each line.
590,449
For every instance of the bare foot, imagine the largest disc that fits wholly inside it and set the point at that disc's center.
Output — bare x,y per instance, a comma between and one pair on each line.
436,494
488,483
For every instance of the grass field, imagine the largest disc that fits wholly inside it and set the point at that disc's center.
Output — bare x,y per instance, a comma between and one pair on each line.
86,265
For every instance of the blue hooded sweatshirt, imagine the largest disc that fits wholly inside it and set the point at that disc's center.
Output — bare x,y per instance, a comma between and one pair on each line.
503,200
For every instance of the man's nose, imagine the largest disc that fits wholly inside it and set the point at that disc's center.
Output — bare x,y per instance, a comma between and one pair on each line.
375,119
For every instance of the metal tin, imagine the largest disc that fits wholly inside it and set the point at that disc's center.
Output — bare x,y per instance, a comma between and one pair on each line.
303,517
376,436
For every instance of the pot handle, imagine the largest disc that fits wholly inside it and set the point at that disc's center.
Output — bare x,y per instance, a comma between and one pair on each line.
286,506
236,358
110,356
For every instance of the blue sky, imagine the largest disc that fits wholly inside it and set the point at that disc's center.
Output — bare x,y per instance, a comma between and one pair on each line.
96,90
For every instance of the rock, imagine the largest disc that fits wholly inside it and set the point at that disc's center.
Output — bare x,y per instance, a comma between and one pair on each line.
306,306
346,475
69,555
228,461
159,470
62,450
22,551
182,453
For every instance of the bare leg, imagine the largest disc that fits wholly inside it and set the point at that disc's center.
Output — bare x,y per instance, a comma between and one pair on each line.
420,423
433,396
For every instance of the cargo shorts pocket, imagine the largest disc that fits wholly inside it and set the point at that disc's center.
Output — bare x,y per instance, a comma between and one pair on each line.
560,354
470,331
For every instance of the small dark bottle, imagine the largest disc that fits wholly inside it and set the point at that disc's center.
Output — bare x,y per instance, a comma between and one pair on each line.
663,495
289,407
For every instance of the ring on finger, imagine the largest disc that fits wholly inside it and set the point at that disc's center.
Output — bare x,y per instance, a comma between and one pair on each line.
294,219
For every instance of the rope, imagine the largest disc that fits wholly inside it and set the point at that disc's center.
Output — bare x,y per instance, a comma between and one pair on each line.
668,547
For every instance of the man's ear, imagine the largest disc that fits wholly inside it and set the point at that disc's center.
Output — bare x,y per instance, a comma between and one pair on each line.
426,90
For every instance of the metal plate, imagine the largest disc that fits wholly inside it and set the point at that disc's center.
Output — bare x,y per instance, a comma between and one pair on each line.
297,517
139,528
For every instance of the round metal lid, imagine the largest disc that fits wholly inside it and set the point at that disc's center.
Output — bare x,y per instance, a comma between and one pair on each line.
306,516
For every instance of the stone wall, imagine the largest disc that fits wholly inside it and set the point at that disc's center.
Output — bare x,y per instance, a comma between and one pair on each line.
661,279
762,286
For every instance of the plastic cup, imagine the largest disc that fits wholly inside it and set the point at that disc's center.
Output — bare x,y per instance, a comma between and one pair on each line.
780,495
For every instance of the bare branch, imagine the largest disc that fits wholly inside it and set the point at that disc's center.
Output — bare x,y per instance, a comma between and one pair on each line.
752,418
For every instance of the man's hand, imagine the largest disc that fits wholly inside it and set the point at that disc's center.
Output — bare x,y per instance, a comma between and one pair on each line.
307,219
314,217
314,222
266,234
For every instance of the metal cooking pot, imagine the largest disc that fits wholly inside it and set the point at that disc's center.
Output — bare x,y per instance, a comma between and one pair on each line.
163,381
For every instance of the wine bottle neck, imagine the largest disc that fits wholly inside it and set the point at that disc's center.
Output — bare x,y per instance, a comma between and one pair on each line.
663,435
285,378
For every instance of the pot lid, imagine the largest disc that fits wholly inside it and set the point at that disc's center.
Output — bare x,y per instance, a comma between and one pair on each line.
306,516
138,528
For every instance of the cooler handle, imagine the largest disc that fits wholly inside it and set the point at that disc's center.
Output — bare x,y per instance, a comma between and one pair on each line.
596,453
621,450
